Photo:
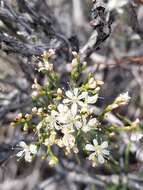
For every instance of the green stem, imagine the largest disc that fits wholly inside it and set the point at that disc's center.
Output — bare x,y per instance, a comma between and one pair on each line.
127,152
122,128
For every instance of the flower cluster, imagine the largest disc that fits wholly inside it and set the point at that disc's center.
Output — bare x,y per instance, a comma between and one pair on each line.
67,119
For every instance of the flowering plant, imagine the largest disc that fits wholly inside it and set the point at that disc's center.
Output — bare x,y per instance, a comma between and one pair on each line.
66,117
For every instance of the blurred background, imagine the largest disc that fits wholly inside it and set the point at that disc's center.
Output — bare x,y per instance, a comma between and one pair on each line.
29,27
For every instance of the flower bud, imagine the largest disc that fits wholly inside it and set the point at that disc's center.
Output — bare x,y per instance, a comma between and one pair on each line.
91,80
74,53
48,54
122,99
51,52
97,89
33,86
76,150
12,124
84,63
74,63
35,94
100,82
19,116
50,107
40,110
25,128
53,161
34,110
40,64
28,116
59,92
92,83
49,67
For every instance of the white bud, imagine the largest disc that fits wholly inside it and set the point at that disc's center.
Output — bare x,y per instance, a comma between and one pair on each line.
59,92
34,110
51,52
35,94
19,116
40,110
74,63
49,67
74,53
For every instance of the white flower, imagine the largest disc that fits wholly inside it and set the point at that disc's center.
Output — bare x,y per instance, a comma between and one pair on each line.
122,99
99,151
62,113
68,140
73,120
116,4
51,121
28,151
136,136
51,139
64,119
74,98
88,125
125,96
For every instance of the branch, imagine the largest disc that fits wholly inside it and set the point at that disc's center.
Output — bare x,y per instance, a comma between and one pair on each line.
37,25
11,45
101,23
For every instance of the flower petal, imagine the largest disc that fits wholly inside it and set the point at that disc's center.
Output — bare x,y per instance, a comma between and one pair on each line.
106,152
69,94
28,156
92,99
82,104
20,153
54,113
104,144
90,147
83,95
23,144
66,101
92,156
100,159
66,109
60,107
75,91
78,124
74,109
33,149
95,142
